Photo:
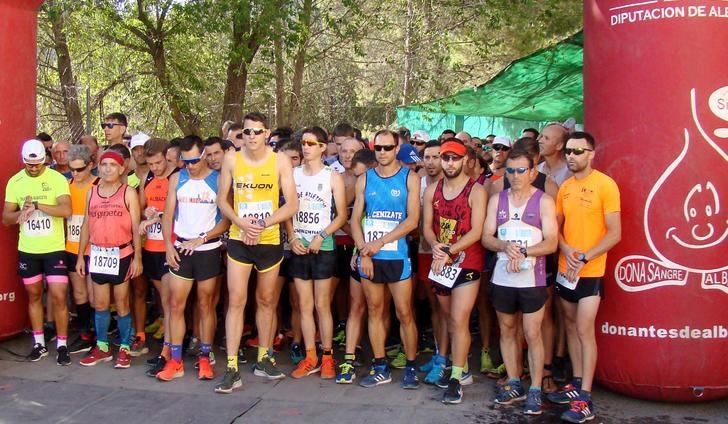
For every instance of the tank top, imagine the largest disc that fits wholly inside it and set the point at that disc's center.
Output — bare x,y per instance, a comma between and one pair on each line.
423,187
109,221
451,221
539,182
315,205
78,210
255,194
196,212
522,226
155,194
386,208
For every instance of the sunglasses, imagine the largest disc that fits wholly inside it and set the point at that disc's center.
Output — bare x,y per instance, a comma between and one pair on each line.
487,148
251,131
311,143
418,143
81,169
521,170
387,148
450,158
478,146
34,165
501,147
578,151
110,125
193,161
239,136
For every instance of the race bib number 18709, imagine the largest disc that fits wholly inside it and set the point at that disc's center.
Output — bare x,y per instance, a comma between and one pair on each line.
104,260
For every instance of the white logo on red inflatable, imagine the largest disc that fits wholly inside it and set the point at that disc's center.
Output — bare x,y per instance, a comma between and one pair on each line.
698,225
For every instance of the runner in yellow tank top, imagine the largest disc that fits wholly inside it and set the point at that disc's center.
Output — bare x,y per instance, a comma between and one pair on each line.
255,174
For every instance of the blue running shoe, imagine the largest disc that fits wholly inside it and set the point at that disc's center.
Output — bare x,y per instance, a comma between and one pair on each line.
410,380
437,370
427,366
378,374
581,410
297,353
510,392
565,395
346,374
534,404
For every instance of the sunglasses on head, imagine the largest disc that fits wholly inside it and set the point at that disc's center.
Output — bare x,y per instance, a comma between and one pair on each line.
450,158
578,151
81,169
501,147
386,148
251,131
110,125
193,161
311,142
520,170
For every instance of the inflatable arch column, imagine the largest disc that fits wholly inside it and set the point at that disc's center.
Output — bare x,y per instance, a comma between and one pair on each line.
656,99
18,23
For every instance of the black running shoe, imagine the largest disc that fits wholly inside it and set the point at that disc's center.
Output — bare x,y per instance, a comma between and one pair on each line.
454,392
38,352
157,366
230,381
83,343
62,356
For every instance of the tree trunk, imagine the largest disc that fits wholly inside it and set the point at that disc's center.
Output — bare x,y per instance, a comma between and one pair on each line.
281,119
294,102
178,107
408,54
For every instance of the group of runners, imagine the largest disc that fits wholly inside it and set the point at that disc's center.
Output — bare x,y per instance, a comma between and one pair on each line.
517,230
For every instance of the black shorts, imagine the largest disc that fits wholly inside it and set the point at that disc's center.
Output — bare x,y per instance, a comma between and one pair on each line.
552,268
124,264
509,300
318,266
586,287
412,245
343,261
387,270
467,276
155,264
263,257
285,270
489,263
52,264
201,265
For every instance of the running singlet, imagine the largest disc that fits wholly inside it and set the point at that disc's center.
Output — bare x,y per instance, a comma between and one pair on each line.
255,194
78,209
196,212
386,208
315,206
451,221
109,222
155,194
522,226
423,187
41,233
584,203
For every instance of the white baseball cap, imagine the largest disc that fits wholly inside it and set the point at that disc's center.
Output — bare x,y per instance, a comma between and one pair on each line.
502,140
34,152
421,135
138,140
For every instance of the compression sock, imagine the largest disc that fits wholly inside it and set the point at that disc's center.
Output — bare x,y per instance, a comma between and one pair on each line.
176,352
124,323
103,319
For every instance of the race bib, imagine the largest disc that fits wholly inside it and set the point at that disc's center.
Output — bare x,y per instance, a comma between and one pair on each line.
561,279
73,228
154,231
519,236
374,229
309,220
39,224
446,277
257,210
104,260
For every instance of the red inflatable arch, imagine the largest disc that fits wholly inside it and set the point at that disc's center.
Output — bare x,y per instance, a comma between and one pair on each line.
17,124
656,99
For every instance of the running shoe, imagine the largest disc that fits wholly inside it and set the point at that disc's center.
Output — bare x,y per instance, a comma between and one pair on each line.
426,343
62,356
534,403
509,393
437,370
340,333
297,353
193,347
138,347
346,374
358,355
252,342
83,343
205,370
565,395
454,392
39,351
247,330
444,381
96,355
394,351
267,368
400,361
241,356
278,342
230,381
157,366
466,379
123,359
159,334
306,367
580,410
378,374
154,325
427,366
410,380
328,367
210,358
172,369
486,362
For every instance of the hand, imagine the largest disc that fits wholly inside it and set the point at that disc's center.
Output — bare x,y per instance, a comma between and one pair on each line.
25,215
571,255
425,245
28,203
315,244
514,265
438,265
371,248
438,253
573,272
366,267
297,247
352,262
81,266
150,213
144,225
250,227
188,247
512,250
251,241
136,267
172,258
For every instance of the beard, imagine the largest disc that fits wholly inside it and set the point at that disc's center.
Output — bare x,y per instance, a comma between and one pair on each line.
454,173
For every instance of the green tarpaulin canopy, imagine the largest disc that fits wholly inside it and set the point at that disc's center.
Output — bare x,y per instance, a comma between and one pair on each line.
530,92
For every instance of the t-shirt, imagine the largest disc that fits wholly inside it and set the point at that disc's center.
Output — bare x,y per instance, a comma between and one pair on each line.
42,233
584,203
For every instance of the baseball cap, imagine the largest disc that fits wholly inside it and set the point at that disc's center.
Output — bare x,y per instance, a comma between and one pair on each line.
453,147
408,154
138,140
421,135
33,152
500,140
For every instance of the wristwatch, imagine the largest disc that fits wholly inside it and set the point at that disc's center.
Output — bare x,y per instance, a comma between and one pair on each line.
446,249
582,258
323,234
261,222
35,204
523,251
203,236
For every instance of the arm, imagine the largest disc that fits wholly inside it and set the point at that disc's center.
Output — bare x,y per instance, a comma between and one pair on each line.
610,239
552,189
490,225
339,194
132,201
11,213
496,187
62,209
288,187
427,215
357,213
167,221
84,239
